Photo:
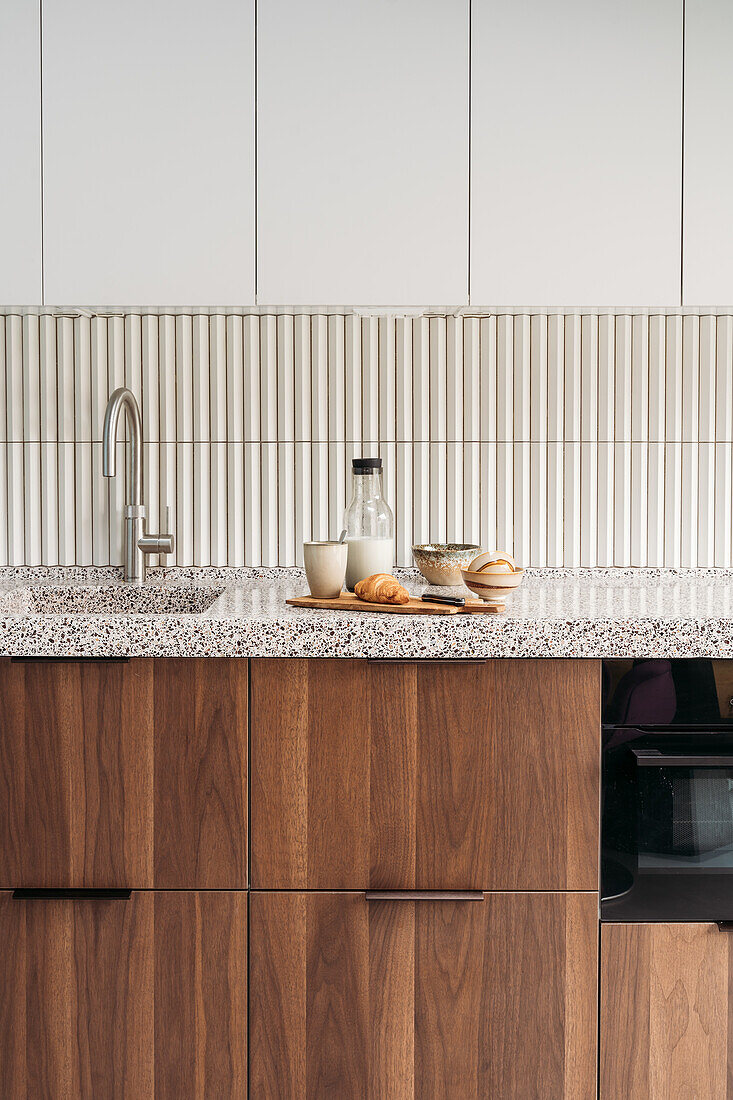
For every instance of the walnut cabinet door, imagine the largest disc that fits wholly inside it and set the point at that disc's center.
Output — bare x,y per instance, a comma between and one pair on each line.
427,775
354,996
141,998
123,773
666,1011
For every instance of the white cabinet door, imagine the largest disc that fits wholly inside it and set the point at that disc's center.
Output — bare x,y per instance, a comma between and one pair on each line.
362,151
708,169
576,152
148,122
20,154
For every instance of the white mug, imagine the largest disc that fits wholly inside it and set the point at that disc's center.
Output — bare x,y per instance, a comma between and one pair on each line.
325,568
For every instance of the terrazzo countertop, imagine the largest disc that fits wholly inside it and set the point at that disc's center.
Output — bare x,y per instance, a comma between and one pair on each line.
59,612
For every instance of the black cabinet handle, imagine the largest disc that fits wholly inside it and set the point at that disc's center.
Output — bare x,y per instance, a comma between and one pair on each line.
71,895
427,660
424,895
69,660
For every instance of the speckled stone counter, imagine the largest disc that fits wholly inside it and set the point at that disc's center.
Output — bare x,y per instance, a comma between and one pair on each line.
556,613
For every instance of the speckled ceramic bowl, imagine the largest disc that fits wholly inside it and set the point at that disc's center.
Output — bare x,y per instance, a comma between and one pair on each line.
493,588
442,562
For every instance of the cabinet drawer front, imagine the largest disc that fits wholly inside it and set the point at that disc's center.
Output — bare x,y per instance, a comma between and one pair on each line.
425,775
130,774
406,998
143,998
667,1004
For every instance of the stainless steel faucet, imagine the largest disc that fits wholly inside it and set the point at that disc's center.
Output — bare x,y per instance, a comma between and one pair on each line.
138,543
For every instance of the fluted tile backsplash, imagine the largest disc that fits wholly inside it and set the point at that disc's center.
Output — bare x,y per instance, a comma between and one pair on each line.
590,439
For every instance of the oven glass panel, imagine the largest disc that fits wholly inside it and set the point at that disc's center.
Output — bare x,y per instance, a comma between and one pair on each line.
688,693
685,820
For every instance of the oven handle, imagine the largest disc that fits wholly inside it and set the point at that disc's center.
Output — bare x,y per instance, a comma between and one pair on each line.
653,758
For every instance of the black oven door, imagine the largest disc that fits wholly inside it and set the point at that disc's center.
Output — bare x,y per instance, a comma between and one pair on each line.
667,829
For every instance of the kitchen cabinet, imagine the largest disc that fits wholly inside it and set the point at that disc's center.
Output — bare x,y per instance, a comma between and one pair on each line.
425,775
666,1011
20,162
144,997
148,152
576,141
358,998
362,152
708,162
124,774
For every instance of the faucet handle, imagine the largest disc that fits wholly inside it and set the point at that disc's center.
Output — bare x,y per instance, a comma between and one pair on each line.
158,544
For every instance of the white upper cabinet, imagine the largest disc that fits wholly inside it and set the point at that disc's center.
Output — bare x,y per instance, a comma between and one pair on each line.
148,149
576,152
708,195
362,142
20,154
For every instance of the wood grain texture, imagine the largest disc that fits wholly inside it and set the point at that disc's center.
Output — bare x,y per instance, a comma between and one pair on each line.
201,773
393,739
139,999
349,602
666,1011
539,1008
123,774
278,1017
414,999
201,994
425,775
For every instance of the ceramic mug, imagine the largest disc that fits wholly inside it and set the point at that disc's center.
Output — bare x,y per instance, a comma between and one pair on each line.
325,568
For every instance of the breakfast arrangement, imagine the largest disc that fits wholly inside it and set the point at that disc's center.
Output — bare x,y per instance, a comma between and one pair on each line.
352,573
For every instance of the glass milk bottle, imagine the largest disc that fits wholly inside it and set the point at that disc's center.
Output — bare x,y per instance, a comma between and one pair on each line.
369,523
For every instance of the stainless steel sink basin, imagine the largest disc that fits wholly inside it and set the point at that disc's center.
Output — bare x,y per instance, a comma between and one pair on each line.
115,599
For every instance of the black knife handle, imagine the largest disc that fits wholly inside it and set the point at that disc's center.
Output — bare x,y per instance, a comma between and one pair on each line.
454,601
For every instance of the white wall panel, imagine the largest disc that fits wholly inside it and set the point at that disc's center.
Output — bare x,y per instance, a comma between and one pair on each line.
575,152
362,150
20,160
708,161
148,149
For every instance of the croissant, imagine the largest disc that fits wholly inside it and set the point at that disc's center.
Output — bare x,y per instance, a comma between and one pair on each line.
381,588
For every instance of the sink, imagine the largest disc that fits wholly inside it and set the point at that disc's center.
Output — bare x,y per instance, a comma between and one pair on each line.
115,599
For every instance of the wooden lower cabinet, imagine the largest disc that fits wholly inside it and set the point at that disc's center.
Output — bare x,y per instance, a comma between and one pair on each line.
124,773
136,999
666,1012
351,997
425,775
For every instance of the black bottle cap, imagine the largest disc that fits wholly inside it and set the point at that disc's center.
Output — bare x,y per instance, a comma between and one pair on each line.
365,465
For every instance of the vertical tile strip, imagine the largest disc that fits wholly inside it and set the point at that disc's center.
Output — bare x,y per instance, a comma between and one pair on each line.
576,439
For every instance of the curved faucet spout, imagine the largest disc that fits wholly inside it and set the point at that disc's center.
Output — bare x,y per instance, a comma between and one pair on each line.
123,398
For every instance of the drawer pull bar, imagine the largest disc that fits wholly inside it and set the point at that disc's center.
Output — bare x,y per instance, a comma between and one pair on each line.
71,895
424,895
427,660
69,660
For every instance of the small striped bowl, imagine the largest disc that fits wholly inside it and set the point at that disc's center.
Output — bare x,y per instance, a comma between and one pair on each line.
493,588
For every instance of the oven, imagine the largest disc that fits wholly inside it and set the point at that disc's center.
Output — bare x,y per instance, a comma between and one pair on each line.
667,791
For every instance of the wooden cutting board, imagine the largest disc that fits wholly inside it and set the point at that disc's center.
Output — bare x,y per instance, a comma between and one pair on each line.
347,601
